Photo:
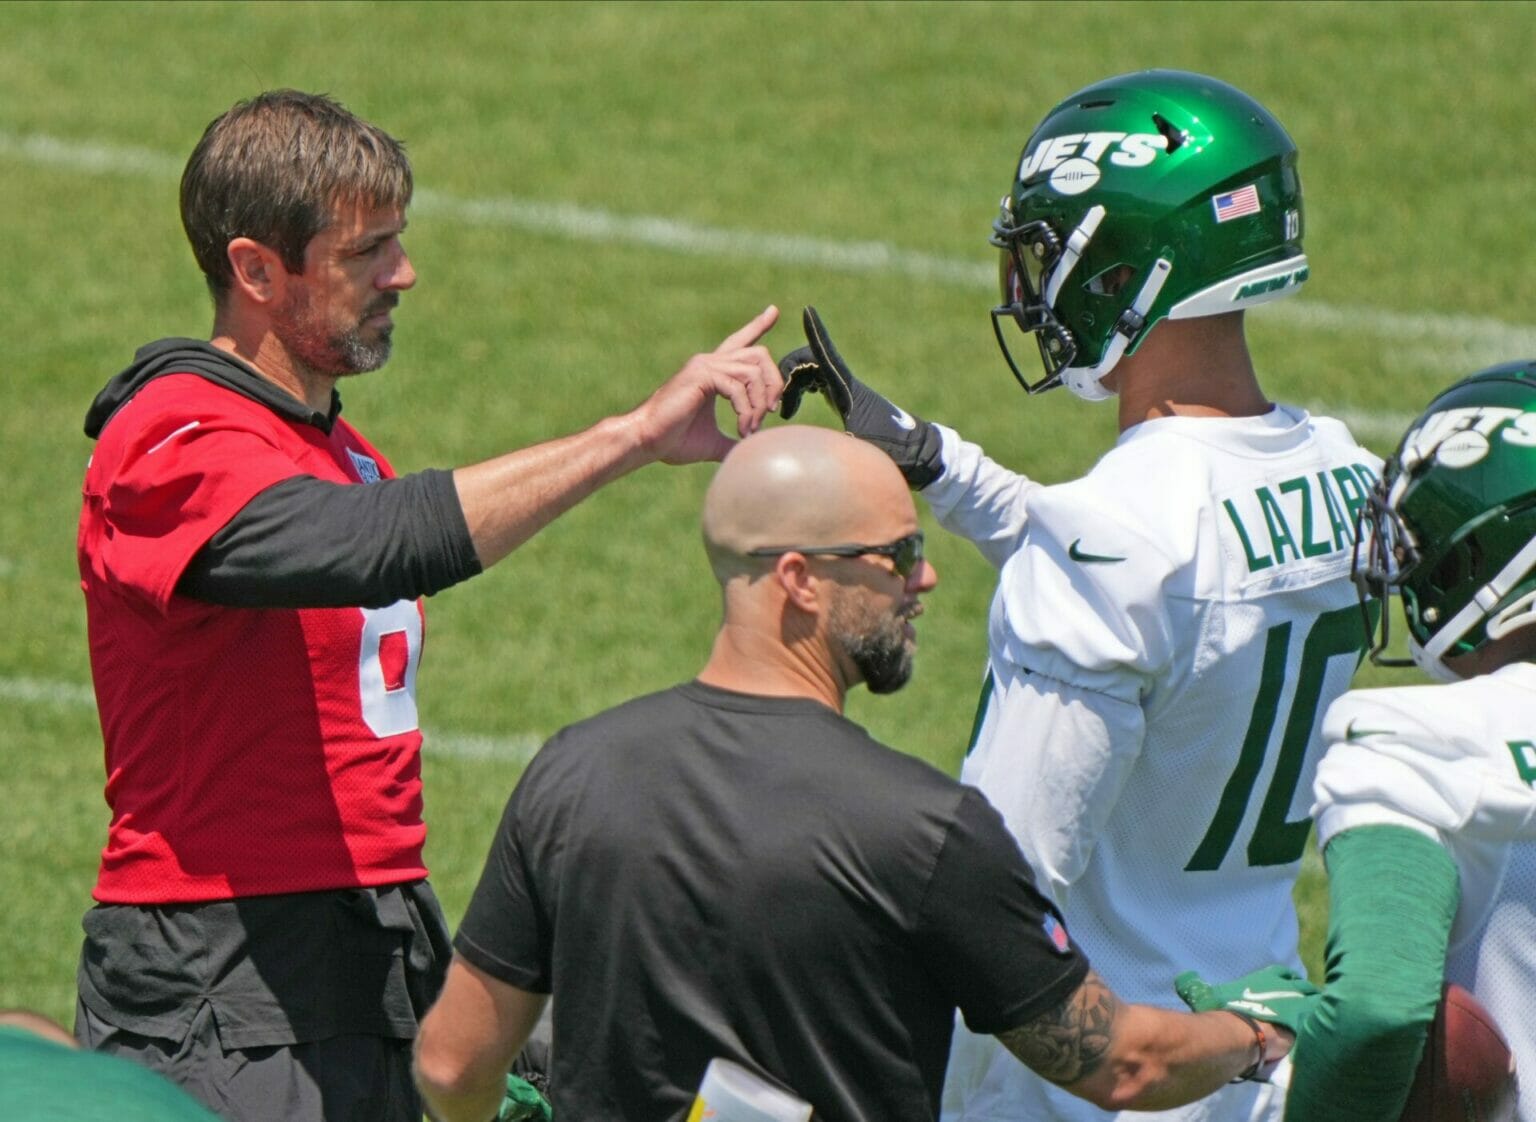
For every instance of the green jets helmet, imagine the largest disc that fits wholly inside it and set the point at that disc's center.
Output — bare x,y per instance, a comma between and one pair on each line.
1160,194
1451,526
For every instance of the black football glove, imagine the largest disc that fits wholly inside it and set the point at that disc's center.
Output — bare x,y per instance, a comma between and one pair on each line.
817,368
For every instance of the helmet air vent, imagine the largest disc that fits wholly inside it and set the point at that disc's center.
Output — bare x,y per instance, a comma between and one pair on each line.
1174,136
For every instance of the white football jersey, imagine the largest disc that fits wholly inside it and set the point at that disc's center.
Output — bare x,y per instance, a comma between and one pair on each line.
1164,637
1456,763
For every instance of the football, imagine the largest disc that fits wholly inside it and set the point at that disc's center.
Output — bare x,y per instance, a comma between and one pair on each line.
1467,1073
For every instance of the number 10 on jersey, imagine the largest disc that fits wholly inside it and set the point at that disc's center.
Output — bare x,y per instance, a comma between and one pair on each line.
1276,839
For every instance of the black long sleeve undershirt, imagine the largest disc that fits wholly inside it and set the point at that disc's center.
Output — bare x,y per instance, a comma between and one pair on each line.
309,543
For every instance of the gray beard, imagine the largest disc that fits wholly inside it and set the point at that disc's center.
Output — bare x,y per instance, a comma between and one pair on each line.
358,357
877,647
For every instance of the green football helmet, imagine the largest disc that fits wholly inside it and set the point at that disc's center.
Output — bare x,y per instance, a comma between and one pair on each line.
1451,526
1160,194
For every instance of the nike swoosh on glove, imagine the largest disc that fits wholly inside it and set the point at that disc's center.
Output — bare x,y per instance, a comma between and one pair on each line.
1276,994
910,441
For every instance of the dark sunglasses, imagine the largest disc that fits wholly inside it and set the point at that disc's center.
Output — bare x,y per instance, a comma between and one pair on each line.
905,553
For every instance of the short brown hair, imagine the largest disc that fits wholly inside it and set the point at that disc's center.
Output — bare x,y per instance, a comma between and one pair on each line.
275,168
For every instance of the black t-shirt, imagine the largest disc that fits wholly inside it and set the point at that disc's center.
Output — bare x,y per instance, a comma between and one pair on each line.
702,873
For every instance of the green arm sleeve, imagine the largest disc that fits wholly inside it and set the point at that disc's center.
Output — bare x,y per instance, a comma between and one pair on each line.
1392,894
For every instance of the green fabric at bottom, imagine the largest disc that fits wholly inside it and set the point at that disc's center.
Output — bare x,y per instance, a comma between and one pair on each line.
523,1103
41,1081
1392,895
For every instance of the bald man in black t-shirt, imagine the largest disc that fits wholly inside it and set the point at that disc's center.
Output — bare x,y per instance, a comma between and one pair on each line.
731,868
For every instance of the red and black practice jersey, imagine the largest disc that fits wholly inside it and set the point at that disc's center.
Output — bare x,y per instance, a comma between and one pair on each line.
248,751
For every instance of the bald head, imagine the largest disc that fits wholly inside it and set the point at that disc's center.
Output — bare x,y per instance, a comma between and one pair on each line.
802,485
800,621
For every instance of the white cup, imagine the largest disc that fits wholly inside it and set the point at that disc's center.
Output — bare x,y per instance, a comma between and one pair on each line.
731,1093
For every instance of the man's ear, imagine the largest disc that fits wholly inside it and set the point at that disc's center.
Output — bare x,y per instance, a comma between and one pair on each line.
259,273
802,588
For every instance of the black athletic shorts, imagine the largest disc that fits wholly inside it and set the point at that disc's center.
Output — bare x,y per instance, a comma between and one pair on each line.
292,1008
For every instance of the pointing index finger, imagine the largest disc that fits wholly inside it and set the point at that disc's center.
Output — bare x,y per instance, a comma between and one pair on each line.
751,332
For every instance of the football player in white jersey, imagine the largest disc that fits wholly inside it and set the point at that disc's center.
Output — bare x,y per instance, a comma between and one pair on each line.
1167,629
1425,807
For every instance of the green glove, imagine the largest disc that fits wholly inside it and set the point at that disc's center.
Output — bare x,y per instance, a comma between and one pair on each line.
523,1103
1276,994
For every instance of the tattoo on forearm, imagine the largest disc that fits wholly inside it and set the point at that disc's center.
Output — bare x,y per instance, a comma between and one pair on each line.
1069,1042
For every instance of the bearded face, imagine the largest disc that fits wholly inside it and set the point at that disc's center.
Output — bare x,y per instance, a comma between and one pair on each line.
877,639
331,341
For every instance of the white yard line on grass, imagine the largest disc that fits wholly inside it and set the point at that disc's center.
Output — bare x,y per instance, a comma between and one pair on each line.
1377,430
1438,343
59,695
516,750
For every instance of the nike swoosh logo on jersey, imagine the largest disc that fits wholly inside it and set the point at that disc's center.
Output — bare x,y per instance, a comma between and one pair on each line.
1352,734
1270,995
1089,558
903,419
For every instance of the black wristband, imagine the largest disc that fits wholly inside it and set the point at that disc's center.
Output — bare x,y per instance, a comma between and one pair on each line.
1260,1040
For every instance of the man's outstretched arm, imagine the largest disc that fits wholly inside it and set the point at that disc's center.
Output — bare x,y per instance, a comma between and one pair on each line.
509,499
308,543
1137,1057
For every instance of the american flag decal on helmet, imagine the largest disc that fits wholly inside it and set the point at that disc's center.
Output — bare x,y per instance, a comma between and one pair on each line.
1235,204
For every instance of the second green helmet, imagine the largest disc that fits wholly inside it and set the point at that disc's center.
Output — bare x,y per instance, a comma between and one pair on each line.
1451,527
1159,194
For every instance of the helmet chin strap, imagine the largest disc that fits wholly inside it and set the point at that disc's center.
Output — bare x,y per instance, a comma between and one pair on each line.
1431,657
1521,613
1087,382
1076,243
1434,667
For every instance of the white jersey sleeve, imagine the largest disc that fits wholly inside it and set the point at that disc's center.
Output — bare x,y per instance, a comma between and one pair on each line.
1070,752
1090,598
980,499
1454,760
1063,728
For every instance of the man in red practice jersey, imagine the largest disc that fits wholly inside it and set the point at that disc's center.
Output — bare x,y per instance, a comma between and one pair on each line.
252,570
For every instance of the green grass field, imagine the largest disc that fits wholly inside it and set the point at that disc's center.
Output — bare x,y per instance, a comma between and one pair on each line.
605,189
